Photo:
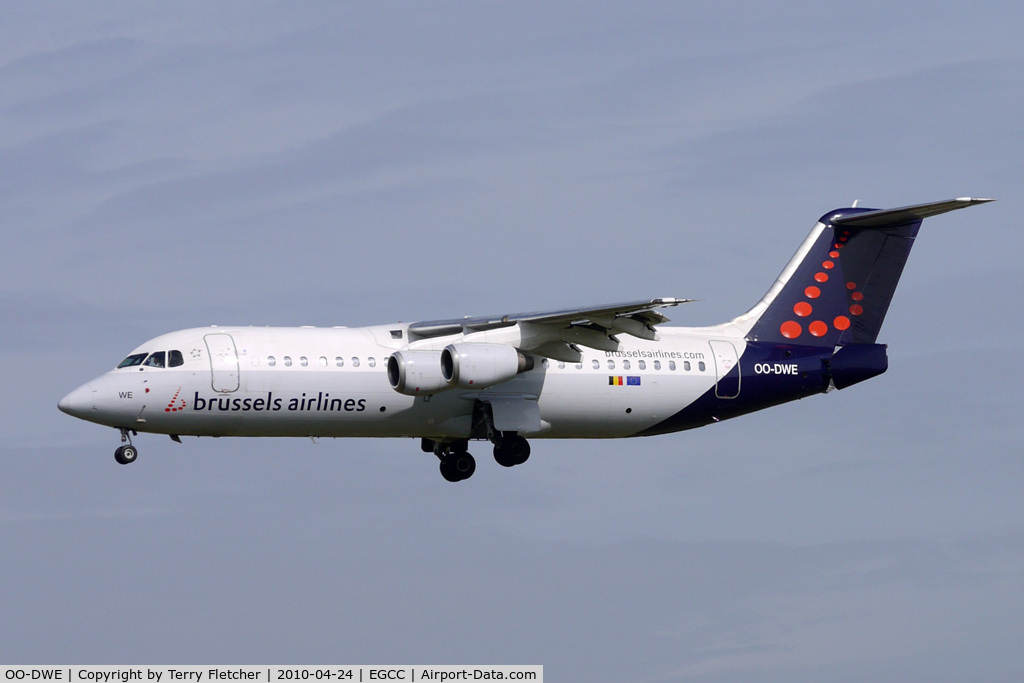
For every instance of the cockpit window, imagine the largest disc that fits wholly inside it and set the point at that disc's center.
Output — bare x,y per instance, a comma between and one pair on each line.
155,360
175,359
133,360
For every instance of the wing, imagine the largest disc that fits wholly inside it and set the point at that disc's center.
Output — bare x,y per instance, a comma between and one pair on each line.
557,333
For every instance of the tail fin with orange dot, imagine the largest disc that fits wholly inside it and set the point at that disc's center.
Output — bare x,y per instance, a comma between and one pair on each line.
837,288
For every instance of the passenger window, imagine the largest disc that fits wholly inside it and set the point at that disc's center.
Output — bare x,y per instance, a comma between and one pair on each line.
176,359
355,362
339,361
303,361
579,366
625,365
596,363
371,362
287,361
323,361
642,365
672,365
155,360
611,365
133,360
561,365
686,365
657,365
544,363
271,361
702,366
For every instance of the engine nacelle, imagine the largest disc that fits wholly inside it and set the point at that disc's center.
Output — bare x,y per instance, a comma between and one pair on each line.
416,373
470,365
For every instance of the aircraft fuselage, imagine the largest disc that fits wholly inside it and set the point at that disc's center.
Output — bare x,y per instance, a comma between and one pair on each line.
332,382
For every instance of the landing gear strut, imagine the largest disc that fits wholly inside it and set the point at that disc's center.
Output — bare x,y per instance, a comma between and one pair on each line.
456,462
126,453
510,449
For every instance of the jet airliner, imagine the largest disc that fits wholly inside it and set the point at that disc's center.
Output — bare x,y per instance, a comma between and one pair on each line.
608,371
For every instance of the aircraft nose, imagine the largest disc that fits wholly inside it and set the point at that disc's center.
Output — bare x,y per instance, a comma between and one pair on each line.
80,402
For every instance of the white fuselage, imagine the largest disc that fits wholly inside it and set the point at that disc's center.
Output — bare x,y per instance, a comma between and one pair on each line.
332,382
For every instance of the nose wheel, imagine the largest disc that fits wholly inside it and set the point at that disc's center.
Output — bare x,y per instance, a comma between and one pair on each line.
126,454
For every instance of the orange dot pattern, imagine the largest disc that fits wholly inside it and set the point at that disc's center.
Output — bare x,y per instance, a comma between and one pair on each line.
171,408
791,329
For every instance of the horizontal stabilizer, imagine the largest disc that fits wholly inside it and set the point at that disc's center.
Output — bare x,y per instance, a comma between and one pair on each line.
882,218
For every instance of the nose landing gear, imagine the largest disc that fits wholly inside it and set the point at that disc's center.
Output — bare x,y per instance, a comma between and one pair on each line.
126,454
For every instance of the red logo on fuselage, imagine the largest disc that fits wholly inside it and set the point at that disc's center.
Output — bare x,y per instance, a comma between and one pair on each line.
171,407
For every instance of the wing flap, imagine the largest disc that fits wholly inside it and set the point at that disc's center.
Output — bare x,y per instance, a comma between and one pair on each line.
515,414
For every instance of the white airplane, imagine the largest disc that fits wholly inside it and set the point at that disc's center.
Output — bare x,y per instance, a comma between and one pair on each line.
598,372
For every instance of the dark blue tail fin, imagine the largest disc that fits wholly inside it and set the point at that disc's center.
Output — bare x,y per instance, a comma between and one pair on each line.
837,287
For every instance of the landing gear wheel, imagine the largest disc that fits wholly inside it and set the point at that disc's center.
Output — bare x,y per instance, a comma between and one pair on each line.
458,466
126,455
448,472
513,450
503,457
464,464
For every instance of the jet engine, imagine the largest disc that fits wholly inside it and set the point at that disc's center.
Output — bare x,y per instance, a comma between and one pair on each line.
470,365
416,373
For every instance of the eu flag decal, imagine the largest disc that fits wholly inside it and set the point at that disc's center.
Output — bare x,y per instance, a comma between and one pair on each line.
620,381
633,381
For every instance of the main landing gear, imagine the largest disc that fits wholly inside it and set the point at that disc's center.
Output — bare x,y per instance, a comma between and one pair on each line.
511,450
456,462
126,454
458,466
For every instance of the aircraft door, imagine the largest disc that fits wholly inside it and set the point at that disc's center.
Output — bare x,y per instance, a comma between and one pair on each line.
223,362
726,385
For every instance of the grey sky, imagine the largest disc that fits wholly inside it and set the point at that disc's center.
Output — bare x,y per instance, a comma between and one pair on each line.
167,166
